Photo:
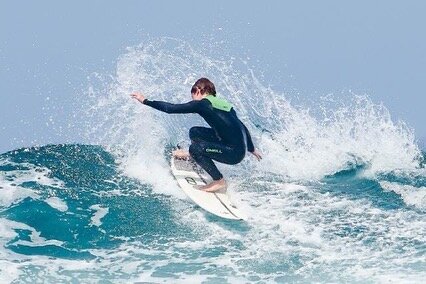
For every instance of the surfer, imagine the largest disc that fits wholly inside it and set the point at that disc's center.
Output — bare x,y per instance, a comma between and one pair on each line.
225,142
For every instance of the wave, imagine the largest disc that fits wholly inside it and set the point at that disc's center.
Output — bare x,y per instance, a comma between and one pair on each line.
66,203
298,142
339,196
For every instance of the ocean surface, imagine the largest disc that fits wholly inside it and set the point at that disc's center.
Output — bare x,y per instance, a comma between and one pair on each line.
339,197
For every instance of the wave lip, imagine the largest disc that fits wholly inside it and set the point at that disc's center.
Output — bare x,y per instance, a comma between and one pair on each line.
300,142
414,196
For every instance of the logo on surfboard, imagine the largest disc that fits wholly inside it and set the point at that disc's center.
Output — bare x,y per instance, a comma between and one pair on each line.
190,180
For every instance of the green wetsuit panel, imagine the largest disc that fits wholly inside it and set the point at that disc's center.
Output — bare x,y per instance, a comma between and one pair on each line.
219,103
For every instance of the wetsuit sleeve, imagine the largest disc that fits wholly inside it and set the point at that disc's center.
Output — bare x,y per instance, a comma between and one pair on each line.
250,146
190,107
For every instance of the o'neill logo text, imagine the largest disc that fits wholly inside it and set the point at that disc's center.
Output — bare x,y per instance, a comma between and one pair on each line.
213,151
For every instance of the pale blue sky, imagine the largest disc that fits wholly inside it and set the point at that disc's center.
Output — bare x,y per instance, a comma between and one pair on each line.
48,48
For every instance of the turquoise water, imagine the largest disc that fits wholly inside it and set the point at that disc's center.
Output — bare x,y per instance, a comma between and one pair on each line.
340,196
68,213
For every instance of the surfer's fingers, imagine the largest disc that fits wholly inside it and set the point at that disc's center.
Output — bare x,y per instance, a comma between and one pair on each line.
136,94
257,155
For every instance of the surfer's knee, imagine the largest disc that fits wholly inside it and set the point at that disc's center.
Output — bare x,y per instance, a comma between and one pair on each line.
191,133
194,133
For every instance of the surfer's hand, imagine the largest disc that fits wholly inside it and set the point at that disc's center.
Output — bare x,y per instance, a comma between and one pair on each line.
138,96
257,155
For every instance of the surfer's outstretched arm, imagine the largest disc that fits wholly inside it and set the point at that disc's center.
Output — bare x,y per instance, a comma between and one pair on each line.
189,107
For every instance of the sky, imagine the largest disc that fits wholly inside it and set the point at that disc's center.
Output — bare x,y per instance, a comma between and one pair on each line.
312,48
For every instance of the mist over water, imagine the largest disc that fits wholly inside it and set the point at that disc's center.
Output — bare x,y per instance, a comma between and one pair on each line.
340,195
313,143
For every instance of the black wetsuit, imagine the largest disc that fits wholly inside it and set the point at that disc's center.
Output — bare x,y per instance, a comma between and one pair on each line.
225,141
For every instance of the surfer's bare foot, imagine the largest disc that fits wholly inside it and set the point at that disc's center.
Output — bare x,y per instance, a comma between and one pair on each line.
214,186
181,154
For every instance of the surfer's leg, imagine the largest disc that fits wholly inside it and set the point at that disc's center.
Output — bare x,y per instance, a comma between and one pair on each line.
196,134
205,152
198,152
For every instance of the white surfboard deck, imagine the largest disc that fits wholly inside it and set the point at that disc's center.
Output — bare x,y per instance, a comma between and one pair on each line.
189,176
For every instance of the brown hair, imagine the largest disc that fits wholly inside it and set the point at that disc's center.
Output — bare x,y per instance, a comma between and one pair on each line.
205,86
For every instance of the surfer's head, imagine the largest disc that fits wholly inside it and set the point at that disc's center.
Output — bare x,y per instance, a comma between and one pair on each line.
202,87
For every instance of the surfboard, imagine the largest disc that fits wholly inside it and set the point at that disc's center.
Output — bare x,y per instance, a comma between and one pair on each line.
189,175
